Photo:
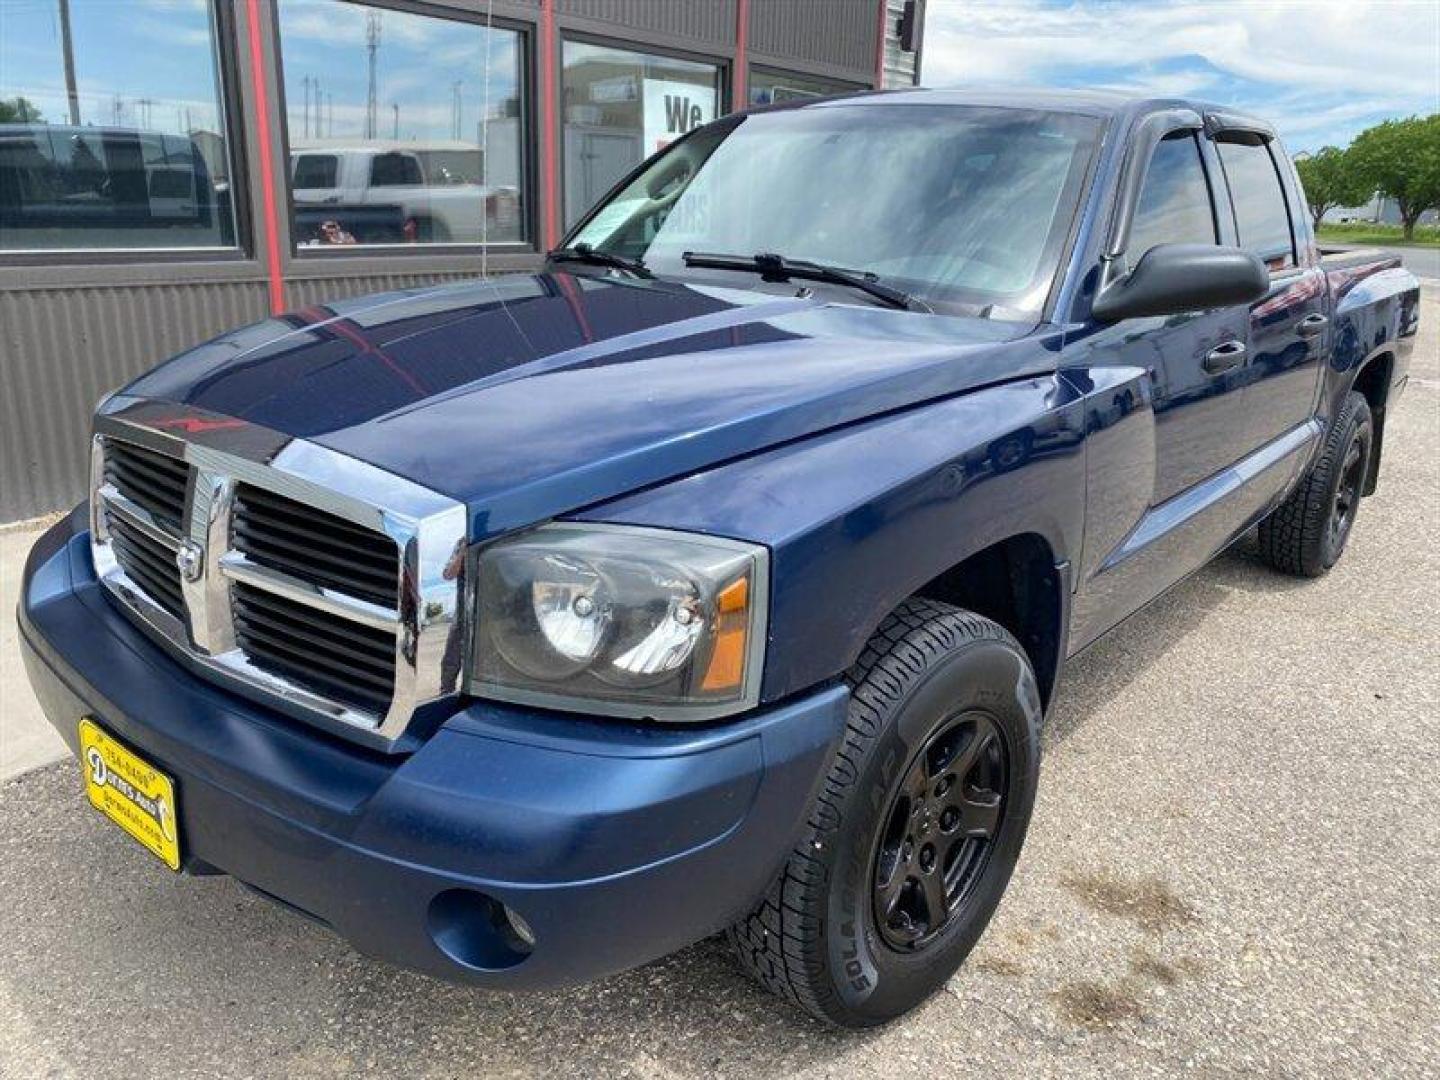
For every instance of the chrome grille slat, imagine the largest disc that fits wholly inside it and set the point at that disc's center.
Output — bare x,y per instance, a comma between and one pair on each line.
237,567
148,564
274,531
303,644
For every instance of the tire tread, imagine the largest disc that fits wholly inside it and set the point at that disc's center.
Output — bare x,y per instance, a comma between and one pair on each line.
779,943
1291,538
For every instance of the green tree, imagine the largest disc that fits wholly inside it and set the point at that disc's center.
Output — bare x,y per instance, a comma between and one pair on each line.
1401,159
18,110
1330,179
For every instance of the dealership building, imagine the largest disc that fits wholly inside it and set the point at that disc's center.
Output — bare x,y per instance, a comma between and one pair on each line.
170,169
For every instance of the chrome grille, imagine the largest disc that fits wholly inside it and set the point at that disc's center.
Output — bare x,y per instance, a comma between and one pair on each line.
314,546
342,660
317,582
152,481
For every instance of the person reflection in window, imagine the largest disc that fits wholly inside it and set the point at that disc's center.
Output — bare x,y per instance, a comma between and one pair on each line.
331,232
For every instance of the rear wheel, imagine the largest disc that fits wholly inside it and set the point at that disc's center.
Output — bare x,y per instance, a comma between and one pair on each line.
1306,534
914,834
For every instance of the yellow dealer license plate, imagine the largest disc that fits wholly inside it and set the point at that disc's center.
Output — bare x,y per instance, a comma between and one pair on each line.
130,792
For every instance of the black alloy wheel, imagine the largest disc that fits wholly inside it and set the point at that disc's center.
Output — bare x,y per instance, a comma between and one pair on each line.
939,831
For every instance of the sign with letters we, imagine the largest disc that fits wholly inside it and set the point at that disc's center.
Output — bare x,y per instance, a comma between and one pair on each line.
672,109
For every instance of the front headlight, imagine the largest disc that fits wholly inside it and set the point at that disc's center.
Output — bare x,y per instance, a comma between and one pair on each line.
621,620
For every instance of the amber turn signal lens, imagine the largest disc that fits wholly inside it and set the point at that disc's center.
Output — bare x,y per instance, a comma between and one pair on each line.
727,663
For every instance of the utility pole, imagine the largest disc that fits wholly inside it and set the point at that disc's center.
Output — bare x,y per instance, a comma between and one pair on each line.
68,49
395,105
372,45
330,114
306,83
455,109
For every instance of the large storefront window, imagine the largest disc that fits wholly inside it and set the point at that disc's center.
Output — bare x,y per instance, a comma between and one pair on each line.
112,127
620,107
769,87
395,136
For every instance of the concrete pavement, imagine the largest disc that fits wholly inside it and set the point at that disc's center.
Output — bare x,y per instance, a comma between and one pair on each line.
1231,871
26,740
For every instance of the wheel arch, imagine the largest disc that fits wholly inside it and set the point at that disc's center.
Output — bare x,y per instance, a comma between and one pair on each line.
1018,583
1372,382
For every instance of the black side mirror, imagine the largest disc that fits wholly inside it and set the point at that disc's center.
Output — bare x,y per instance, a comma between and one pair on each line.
1171,279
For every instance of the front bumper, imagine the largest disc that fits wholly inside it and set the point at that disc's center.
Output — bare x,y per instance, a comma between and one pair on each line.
615,842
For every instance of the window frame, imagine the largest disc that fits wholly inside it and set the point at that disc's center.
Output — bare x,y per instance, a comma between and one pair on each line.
527,79
1266,143
769,71
231,103
724,68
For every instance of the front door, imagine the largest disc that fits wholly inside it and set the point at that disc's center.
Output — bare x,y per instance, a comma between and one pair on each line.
1157,504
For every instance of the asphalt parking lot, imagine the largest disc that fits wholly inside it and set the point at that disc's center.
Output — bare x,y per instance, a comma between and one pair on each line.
1232,869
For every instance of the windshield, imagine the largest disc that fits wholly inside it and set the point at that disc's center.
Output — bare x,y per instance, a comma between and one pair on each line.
964,207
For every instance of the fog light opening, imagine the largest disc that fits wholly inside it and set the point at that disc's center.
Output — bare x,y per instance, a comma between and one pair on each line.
477,931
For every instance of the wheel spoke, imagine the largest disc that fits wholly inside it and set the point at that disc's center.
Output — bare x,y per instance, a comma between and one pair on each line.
917,781
980,742
979,813
889,893
932,890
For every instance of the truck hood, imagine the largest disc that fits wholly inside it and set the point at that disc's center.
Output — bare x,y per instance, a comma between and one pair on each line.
529,396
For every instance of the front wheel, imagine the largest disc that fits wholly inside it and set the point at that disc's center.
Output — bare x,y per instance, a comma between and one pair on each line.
1306,534
915,832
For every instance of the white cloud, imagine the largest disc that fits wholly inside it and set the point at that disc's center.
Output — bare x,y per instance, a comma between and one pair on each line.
1352,58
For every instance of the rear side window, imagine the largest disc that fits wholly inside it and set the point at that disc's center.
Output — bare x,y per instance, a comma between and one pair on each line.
316,171
1174,206
1260,211
395,170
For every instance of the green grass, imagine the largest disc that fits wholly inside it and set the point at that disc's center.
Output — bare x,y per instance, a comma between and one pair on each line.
1358,232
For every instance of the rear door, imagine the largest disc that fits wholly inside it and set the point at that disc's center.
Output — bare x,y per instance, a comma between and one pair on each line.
1288,328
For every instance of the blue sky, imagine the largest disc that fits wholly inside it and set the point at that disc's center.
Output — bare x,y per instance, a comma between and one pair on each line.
149,63
1320,70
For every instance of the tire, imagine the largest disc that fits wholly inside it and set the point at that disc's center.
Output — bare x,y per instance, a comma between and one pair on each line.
934,687
1306,534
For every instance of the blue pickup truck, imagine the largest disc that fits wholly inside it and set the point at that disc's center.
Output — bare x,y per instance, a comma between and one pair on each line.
717,577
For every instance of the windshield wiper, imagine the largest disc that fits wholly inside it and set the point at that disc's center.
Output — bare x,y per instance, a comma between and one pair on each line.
779,268
584,253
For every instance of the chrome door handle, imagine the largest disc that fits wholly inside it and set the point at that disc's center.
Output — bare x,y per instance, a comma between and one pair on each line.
1223,357
1313,324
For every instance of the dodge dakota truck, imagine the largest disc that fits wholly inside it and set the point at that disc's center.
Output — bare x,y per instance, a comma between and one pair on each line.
717,577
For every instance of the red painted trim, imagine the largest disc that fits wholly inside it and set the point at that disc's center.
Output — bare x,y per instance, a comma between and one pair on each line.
267,159
740,90
880,47
550,231
577,305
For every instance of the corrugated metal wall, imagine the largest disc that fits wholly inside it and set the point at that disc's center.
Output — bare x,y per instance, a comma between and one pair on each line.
711,21
321,290
61,349
838,33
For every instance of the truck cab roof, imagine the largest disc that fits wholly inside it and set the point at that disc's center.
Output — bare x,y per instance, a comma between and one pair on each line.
1102,103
